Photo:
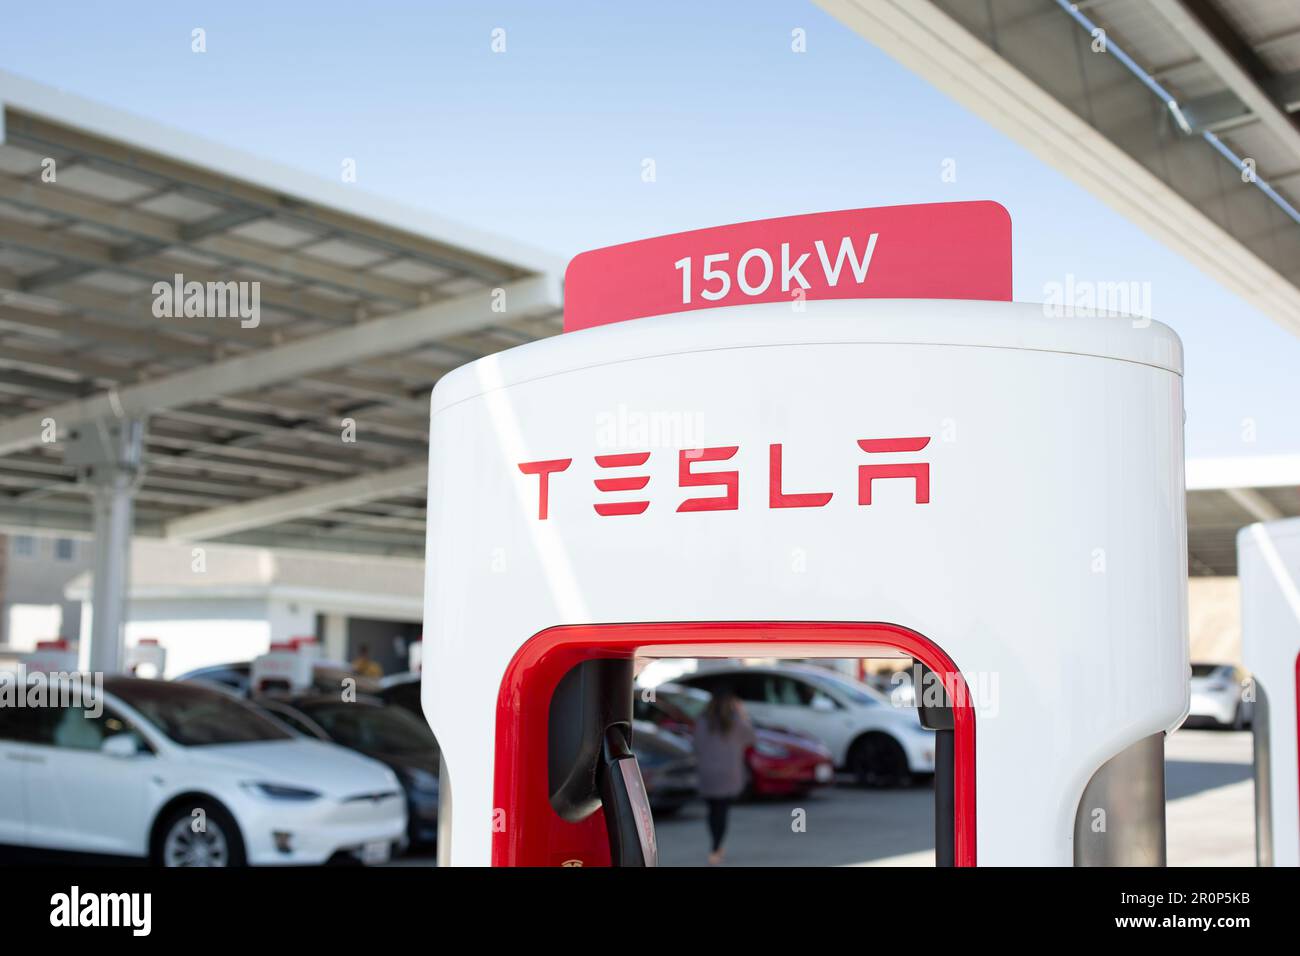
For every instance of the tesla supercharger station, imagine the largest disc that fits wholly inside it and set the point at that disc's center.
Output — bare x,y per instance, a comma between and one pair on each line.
287,665
146,658
1268,567
829,435
57,656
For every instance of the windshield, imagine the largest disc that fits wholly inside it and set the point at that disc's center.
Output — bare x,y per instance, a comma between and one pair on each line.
1204,670
858,693
197,716
389,730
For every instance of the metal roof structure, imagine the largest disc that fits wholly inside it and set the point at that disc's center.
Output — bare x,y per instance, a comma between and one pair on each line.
1180,114
361,306
365,304
1226,494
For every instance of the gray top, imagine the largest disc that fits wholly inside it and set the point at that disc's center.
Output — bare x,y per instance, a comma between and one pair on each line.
721,757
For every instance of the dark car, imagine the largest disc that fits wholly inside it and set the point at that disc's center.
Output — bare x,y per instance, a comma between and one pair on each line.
402,690
667,761
327,677
385,733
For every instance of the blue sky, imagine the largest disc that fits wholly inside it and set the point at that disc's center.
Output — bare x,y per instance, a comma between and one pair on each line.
545,142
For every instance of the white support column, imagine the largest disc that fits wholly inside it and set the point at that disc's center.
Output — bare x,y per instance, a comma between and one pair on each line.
108,458
335,639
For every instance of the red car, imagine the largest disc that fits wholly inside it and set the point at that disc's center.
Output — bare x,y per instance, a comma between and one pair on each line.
781,762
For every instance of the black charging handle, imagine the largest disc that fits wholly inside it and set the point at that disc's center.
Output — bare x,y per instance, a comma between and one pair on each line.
590,762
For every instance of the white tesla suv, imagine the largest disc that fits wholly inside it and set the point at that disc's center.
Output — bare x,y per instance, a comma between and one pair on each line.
186,775
880,743
1217,697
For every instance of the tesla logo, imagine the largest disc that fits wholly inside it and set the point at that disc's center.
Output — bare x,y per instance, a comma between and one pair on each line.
624,476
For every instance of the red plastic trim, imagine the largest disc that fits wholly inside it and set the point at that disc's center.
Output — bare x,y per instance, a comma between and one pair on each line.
952,250
528,832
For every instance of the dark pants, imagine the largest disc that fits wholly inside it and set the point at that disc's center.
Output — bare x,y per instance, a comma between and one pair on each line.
718,807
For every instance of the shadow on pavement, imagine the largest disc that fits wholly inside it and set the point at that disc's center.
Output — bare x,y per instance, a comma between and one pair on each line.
1186,777
842,825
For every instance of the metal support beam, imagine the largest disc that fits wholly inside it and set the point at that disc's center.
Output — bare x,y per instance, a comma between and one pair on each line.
317,499
191,232
1256,504
926,40
107,455
160,347
1206,31
91,254
392,334
1222,111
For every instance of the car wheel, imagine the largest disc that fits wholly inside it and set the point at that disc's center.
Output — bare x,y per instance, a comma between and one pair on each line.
181,843
878,760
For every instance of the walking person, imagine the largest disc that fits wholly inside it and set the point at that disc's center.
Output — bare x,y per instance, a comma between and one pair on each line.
723,734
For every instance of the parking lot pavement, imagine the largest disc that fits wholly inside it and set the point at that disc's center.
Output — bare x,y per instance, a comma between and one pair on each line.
843,825
1210,818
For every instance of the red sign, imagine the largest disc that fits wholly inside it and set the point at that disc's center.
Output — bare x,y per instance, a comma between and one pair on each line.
950,250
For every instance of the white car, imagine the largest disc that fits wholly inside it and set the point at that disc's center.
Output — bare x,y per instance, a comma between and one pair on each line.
1216,691
880,743
186,775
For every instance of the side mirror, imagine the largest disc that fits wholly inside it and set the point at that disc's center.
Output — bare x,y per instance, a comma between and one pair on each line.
122,745
822,703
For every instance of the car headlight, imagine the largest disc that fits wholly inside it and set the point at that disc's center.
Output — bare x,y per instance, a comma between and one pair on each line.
769,749
421,780
280,791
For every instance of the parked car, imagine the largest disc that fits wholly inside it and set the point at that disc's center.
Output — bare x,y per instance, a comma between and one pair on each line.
402,690
188,775
667,763
895,685
389,734
666,759
780,762
1217,692
880,744
327,677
